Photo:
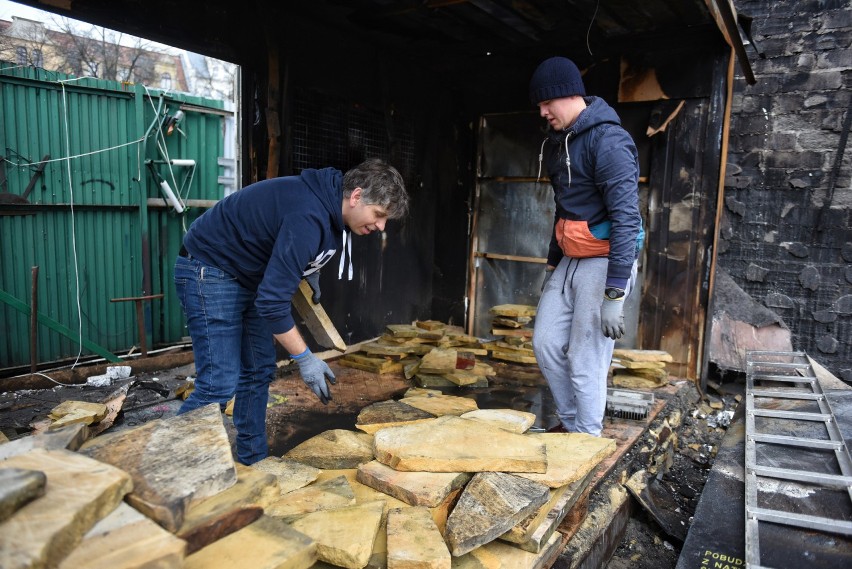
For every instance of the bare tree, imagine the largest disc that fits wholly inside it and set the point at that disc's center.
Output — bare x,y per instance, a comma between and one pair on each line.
106,54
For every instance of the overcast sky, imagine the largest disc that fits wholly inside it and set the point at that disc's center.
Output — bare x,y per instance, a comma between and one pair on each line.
9,9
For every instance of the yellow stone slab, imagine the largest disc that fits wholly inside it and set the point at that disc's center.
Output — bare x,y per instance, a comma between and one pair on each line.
451,444
266,544
291,475
328,494
344,536
126,539
570,456
506,419
364,494
79,492
440,405
513,310
642,355
428,489
512,557
334,449
414,541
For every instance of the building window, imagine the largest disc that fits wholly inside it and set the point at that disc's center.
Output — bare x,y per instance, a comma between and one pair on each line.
21,52
165,81
38,60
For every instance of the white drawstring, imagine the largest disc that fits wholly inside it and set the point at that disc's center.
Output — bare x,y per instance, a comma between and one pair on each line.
568,161
540,158
347,249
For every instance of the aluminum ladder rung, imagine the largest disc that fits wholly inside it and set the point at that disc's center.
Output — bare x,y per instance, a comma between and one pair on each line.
780,365
803,395
830,480
820,444
801,520
785,378
802,416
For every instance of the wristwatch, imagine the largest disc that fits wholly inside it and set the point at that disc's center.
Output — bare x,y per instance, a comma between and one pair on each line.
613,293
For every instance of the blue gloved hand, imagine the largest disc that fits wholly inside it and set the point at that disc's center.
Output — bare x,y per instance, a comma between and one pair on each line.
313,281
314,373
547,274
612,313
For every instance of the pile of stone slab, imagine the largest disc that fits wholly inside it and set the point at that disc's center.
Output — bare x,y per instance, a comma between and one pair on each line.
430,353
639,369
426,481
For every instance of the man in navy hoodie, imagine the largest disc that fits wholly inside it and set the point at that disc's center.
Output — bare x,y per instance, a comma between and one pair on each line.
593,167
242,261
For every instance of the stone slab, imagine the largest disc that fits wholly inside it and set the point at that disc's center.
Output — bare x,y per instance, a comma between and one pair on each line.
126,539
415,488
570,456
508,419
511,557
389,414
363,493
440,405
266,544
490,505
445,445
212,518
70,438
334,450
172,461
344,536
291,475
414,541
79,492
328,494
18,487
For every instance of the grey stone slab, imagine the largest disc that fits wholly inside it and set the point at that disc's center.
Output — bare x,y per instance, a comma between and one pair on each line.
490,505
172,461
18,486
70,438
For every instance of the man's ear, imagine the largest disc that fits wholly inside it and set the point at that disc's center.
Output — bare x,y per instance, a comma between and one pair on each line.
355,197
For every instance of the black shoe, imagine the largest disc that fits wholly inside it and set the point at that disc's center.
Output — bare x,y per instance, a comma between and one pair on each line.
558,429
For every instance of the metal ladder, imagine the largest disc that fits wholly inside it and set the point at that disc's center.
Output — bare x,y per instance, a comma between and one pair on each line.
792,368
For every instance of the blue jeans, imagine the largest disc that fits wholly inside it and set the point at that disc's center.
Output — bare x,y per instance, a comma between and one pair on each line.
234,351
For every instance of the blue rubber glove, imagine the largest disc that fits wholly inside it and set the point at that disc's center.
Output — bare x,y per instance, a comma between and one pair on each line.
612,313
314,373
313,281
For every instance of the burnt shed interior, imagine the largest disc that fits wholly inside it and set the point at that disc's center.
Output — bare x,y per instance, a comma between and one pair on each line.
329,83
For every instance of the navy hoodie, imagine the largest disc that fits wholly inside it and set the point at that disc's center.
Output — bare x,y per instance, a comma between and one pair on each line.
271,234
596,183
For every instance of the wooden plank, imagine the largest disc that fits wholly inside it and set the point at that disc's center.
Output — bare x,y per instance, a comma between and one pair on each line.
316,319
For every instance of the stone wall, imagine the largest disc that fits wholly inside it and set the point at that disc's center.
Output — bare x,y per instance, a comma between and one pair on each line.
785,230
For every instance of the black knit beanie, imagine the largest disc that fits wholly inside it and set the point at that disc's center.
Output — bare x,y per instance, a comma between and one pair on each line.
556,77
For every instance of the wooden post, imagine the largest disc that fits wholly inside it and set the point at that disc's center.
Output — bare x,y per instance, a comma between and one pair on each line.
140,318
34,321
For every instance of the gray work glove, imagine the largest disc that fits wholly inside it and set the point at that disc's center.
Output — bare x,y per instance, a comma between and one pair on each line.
313,281
547,274
612,313
314,372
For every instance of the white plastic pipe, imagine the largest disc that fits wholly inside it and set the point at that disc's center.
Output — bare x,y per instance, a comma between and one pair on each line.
183,162
167,190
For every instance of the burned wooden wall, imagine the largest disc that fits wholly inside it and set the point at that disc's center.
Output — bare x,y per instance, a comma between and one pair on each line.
786,234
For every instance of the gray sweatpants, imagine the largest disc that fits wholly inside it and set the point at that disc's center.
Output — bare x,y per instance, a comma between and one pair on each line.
570,348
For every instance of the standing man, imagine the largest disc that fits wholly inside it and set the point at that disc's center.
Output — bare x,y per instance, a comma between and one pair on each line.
591,264
242,261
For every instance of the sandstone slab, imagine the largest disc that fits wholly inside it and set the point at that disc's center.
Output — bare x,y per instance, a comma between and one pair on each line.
70,438
126,539
19,486
79,492
212,518
291,475
389,414
334,450
440,405
363,493
415,488
511,557
490,505
329,494
451,444
570,456
266,544
507,419
344,536
172,461
414,541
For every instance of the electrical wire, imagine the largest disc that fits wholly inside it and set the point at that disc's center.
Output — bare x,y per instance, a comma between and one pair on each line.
589,31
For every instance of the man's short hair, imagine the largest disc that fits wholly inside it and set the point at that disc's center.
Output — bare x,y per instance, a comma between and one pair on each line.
381,184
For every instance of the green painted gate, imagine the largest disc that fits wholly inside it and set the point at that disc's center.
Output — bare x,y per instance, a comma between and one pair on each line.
81,166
